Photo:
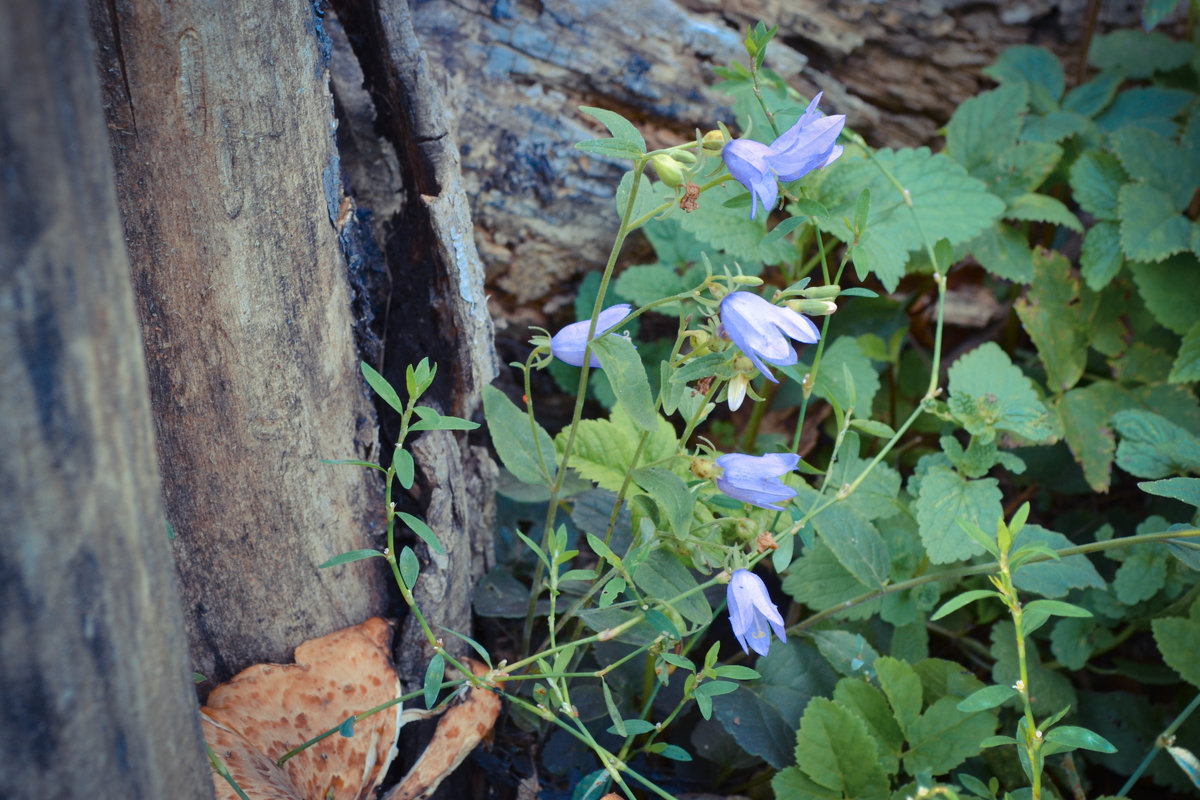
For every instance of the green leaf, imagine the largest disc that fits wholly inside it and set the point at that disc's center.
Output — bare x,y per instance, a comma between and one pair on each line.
1050,690
1054,578
944,737
966,598
989,394
1151,226
1075,737
426,533
650,195
409,567
985,125
763,716
604,449
869,704
1186,490
737,672
873,427
818,580
1096,181
1151,108
853,540
876,496
1101,258
661,575
1153,446
625,373
944,498
1084,413
1034,207
1187,364
634,727
1170,296
1049,312
1004,252
1153,13
382,387
353,555
1074,639
346,729
902,686
834,749
734,233
621,129
1035,65
830,382
671,751
433,679
431,420
525,449
1178,639
1141,575
671,494
402,461
1138,54
1091,98
946,203
985,698
501,595
646,283
1162,164
609,147
1054,127
848,653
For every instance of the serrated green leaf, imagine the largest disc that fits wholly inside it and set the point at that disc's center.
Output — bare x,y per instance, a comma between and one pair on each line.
1153,446
1085,413
795,785
818,580
1026,63
947,202
835,750
1073,641
1049,312
985,125
1186,490
1034,207
1137,53
1151,226
1054,578
419,527
1096,181
985,698
1004,252
853,540
525,449
1055,126
944,737
621,129
627,377
646,283
1151,108
902,687
989,394
382,387
604,449
1178,639
1102,257
1162,164
1186,368
944,498
830,382
1170,296
671,494
848,653
733,232
1090,98
1141,575
869,704
352,555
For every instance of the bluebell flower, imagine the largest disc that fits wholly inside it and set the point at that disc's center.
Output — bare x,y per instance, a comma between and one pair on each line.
755,479
761,330
809,144
570,342
750,611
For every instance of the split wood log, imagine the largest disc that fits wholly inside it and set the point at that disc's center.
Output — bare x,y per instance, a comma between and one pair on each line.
95,691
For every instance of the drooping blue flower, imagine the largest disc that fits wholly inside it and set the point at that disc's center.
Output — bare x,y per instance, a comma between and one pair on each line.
750,611
761,330
809,144
570,342
755,479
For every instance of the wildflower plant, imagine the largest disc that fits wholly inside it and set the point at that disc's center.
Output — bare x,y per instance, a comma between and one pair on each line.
851,502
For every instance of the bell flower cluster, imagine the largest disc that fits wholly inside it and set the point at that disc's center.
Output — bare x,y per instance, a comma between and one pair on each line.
761,330
809,144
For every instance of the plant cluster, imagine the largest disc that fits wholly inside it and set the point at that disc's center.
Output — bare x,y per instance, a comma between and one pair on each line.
964,561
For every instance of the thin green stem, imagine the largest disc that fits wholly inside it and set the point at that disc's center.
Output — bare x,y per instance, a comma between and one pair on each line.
1162,741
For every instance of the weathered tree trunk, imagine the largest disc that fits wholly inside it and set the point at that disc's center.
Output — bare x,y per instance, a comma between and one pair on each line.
515,74
95,691
230,188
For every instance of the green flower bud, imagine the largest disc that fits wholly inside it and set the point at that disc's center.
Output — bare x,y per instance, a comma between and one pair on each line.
713,142
813,308
822,292
669,170
703,468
